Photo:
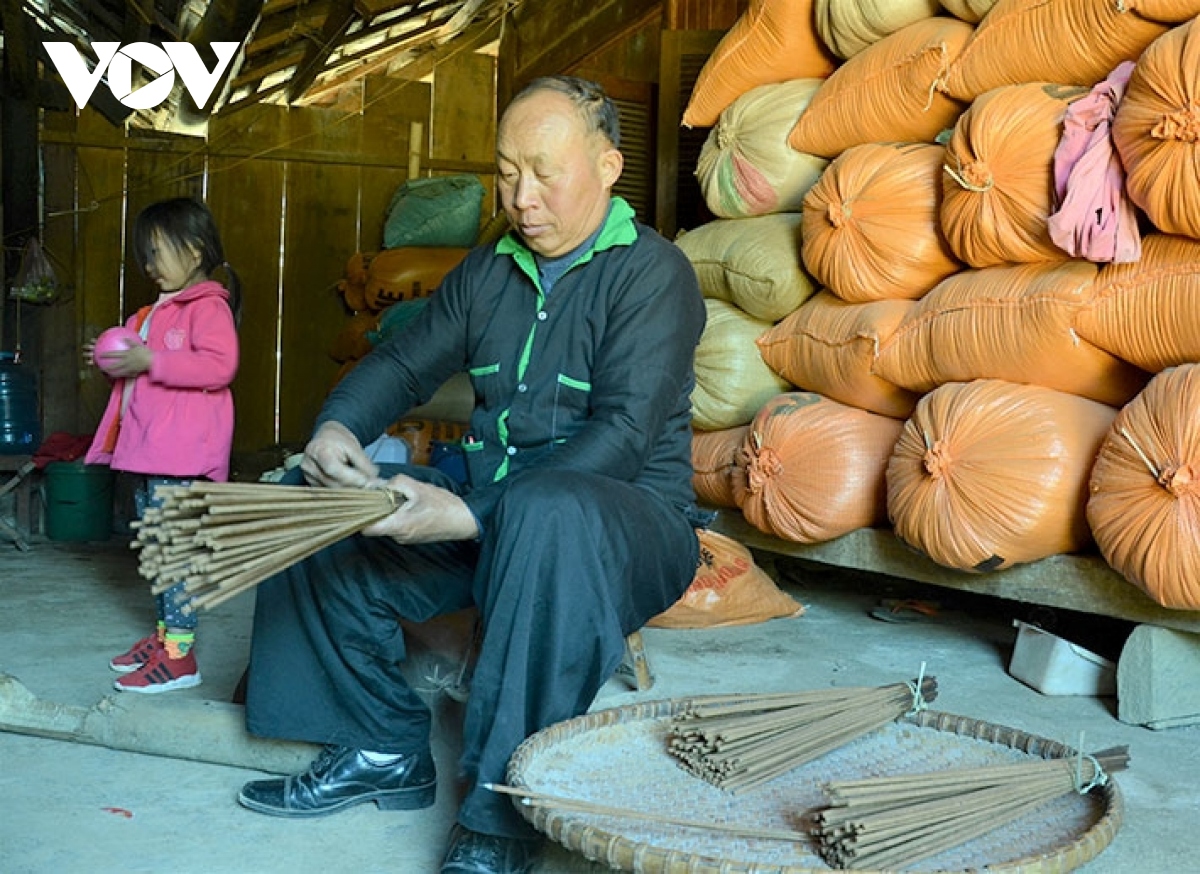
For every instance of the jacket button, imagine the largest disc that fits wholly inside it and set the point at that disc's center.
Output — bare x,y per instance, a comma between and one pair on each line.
512,450
542,316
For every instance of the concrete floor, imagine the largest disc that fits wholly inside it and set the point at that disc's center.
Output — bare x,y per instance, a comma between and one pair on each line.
72,808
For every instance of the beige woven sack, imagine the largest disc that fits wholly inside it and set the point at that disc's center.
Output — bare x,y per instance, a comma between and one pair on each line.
886,93
829,346
1148,312
773,41
814,469
849,26
998,186
1074,42
989,474
1157,132
1014,323
752,263
872,226
732,380
746,167
968,10
1144,507
715,457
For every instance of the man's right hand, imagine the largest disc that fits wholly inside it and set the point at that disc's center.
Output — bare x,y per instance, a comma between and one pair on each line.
334,458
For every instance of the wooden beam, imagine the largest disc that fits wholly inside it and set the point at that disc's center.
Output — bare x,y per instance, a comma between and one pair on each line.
359,66
340,18
272,64
284,28
416,61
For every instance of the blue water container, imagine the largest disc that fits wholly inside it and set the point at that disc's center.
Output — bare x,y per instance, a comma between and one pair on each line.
20,419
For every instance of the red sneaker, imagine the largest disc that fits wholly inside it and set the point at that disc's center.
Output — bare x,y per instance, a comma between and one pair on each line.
161,674
137,655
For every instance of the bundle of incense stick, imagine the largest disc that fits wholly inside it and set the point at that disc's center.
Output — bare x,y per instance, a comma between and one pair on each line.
892,822
224,538
738,742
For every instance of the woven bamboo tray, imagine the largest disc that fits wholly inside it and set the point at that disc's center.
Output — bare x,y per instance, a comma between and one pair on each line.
618,758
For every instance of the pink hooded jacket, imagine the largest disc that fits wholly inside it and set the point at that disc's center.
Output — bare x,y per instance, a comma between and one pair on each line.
179,420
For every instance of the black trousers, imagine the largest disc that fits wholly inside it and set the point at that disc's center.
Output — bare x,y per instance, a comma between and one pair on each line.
568,566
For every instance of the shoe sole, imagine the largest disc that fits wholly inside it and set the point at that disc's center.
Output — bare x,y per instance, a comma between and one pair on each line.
154,688
415,798
125,669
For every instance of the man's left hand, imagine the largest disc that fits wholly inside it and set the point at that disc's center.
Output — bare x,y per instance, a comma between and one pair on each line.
428,514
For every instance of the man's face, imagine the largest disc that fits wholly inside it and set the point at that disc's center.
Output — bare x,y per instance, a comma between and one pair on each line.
555,176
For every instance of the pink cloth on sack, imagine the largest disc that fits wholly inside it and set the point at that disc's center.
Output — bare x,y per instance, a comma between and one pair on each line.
1095,219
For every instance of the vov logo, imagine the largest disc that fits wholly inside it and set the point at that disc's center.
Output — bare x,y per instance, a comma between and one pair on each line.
118,60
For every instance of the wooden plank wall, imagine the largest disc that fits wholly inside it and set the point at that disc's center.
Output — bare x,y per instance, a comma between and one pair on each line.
295,193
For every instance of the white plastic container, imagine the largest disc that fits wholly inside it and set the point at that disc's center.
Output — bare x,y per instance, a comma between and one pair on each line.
1055,666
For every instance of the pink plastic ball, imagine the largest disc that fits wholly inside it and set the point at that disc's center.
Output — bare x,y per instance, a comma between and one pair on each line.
114,340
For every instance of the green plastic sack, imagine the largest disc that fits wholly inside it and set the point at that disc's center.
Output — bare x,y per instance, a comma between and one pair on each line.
395,318
442,211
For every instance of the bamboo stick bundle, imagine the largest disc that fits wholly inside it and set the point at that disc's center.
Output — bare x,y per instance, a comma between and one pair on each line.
740,742
893,822
221,539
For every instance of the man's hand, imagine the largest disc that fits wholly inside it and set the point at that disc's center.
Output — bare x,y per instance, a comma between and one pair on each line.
334,458
428,514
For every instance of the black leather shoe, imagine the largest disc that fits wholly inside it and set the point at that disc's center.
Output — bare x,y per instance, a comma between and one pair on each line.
476,853
339,778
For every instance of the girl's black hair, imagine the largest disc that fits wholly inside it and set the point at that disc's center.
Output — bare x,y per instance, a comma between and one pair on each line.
183,221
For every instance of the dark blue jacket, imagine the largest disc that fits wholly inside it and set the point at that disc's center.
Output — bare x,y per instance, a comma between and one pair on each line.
595,377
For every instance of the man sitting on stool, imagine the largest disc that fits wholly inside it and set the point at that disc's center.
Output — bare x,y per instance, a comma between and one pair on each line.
576,524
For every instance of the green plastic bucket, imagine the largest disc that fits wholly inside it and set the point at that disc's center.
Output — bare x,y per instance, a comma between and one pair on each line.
79,501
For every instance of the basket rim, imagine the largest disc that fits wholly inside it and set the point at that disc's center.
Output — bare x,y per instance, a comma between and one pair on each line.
621,853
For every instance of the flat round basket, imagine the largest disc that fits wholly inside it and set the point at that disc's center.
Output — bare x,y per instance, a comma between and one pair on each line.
618,759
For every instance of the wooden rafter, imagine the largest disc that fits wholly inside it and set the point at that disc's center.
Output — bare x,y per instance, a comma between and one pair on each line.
340,18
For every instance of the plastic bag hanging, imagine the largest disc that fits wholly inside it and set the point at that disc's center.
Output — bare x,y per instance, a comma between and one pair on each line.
35,281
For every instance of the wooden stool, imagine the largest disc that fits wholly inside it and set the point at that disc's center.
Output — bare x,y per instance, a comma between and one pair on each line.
21,482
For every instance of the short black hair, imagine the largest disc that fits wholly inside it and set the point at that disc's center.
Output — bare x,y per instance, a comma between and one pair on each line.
595,107
183,222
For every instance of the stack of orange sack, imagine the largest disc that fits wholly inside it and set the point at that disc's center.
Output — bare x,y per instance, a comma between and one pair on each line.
954,282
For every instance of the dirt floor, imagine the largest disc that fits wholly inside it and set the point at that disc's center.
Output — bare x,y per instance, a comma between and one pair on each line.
72,807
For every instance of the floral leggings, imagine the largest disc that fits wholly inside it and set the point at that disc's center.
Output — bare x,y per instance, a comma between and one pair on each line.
169,604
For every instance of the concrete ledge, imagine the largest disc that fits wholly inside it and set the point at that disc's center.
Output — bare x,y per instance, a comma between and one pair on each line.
1071,582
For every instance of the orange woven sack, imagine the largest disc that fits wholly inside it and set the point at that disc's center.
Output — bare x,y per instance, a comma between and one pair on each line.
773,41
813,469
829,346
871,227
729,589
752,263
1148,312
998,188
715,457
351,342
989,474
886,93
732,380
1144,507
357,266
408,273
420,435
1014,323
1157,132
1074,42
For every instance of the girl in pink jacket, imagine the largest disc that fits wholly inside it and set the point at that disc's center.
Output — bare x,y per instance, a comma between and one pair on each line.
169,418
